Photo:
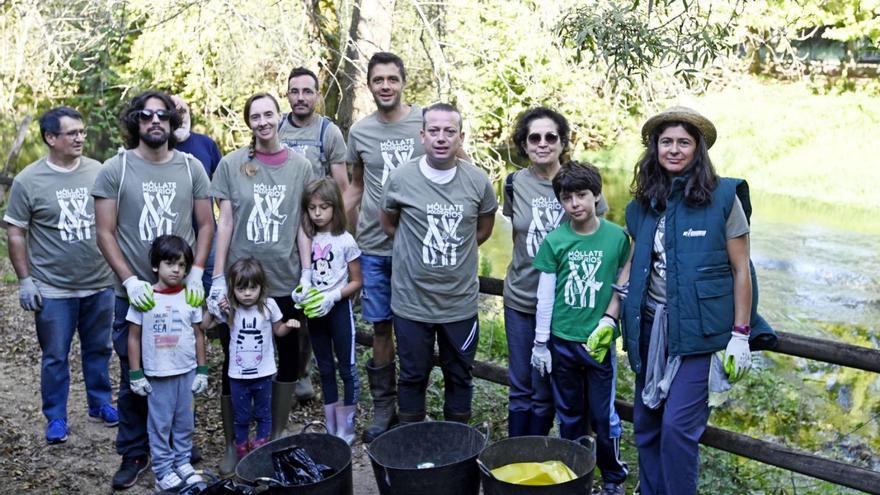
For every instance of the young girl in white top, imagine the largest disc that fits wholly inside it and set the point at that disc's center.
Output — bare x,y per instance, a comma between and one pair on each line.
252,317
336,276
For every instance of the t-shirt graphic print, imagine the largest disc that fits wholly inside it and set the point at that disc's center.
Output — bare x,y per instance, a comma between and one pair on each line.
74,220
265,220
581,285
546,215
394,153
157,215
442,239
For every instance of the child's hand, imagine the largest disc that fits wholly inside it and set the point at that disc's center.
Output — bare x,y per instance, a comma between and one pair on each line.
292,323
138,383
224,304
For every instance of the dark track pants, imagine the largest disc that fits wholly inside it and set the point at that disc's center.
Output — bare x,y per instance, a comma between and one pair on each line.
334,334
668,437
415,350
583,390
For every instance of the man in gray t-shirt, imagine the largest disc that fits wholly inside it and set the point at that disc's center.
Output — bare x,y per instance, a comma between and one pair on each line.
438,209
377,145
62,277
311,134
147,190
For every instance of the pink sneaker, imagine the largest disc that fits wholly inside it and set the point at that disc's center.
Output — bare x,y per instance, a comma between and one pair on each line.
242,449
259,442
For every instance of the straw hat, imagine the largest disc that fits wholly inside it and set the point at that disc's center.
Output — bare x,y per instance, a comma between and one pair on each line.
680,114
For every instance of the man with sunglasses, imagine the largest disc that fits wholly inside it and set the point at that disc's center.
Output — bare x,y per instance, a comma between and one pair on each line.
377,145
147,190
62,277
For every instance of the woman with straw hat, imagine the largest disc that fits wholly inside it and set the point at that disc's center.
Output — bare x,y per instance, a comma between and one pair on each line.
691,293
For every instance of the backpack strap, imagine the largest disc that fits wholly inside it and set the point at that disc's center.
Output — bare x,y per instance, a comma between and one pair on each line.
325,123
123,154
508,187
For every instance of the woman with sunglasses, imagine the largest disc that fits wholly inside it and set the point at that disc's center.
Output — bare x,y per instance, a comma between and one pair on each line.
689,295
541,136
259,188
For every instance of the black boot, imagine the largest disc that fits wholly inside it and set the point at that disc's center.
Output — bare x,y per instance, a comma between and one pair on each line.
541,425
518,423
227,465
458,417
282,400
304,390
406,418
383,387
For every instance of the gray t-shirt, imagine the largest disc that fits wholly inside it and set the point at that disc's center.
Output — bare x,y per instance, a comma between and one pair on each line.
266,214
736,225
331,255
434,265
381,147
151,200
306,142
59,213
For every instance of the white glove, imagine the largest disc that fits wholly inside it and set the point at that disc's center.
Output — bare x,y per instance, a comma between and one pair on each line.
140,293
200,383
194,291
29,295
305,279
319,304
218,292
737,357
138,383
541,359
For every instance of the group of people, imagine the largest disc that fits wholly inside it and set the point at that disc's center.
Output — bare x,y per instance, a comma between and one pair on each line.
278,269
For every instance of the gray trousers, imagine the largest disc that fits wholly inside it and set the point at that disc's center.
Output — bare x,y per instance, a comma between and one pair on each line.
170,407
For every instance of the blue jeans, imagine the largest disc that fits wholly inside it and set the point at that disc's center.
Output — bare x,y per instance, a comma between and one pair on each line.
376,292
56,323
334,334
251,400
171,415
131,436
529,391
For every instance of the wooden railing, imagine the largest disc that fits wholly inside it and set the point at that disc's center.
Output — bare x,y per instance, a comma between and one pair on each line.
774,454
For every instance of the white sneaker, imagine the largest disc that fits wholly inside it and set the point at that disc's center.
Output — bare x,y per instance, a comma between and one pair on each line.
169,482
188,474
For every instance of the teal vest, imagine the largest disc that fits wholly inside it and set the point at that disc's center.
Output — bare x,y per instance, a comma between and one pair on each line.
699,280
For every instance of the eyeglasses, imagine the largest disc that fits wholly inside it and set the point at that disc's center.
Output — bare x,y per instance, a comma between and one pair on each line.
549,137
73,134
146,114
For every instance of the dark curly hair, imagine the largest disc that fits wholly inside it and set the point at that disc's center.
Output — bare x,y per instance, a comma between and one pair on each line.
130,121
652,182
521,131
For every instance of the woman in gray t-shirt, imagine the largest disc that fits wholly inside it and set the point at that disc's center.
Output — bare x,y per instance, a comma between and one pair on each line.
542,137
259,188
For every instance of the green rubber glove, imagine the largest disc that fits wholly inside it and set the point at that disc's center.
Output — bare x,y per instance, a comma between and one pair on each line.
601,338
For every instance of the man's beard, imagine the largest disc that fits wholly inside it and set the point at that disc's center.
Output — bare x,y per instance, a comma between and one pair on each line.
152,141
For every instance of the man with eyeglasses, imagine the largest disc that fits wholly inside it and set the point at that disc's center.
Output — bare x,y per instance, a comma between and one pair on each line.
144,191
320,141
62,277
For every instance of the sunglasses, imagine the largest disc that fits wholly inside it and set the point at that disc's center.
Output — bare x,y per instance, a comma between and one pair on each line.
549,137
146,115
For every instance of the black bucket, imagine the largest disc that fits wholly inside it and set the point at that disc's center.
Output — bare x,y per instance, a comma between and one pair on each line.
579,456
446,451
256,468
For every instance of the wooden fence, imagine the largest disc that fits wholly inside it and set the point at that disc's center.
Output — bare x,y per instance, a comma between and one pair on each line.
774,454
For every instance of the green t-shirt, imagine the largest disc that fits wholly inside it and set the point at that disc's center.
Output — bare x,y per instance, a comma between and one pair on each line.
381,147
151,200
266,214
534,212
59,213
306,142
585,267
434,263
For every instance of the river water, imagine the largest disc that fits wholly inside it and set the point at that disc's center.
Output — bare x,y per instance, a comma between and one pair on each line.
818,269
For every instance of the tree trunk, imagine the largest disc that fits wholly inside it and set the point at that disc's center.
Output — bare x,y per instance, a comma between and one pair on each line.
369,32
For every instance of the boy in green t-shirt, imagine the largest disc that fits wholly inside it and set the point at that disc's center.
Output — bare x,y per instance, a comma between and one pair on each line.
576,313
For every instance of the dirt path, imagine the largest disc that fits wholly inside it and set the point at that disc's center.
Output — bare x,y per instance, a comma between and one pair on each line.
87,461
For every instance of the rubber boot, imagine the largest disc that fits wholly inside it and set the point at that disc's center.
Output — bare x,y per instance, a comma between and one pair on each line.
345,423
230,458
330,417
406,418
282,400
458,417
541,425
304,390
383,387
518,423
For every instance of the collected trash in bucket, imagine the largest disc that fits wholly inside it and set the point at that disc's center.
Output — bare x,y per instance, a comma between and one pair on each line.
294,467
227,487
535,473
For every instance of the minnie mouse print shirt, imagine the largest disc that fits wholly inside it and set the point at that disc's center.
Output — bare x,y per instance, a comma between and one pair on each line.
331,255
